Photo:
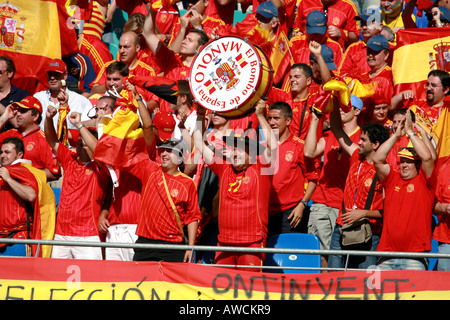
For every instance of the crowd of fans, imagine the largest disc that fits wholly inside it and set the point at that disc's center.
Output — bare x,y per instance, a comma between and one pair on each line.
331,149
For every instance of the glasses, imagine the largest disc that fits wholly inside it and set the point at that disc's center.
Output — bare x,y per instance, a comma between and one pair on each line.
432,85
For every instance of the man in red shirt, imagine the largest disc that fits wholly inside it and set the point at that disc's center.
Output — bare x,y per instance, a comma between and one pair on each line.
409,199
288,205
169,203
356,203
244,190
15,197
329,193
175,66
442,210
82,194
354,61
28,113
316,28
342,26
298,97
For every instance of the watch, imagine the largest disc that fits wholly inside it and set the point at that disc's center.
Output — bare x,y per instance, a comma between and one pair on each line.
412,134
139,98
304,203
80,126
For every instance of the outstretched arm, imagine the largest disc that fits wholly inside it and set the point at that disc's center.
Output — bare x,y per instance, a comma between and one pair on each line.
379,159
89,139
313,148
199,143
336,127
49,129
149,33
269,136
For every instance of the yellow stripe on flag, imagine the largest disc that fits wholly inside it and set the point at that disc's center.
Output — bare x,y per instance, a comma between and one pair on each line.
32,29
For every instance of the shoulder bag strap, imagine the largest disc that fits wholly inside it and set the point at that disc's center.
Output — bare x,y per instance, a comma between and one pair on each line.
174,208
371,193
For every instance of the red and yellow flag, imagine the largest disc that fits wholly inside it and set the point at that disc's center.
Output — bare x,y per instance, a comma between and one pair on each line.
32,33
122,142
44,215
418,52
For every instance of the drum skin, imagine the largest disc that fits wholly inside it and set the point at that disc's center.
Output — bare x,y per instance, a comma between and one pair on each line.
229,75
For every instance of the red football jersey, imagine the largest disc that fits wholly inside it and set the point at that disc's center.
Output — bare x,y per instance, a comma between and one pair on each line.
357,186
244,203
157,219
336,163
408,206
292,172
81,197
442,230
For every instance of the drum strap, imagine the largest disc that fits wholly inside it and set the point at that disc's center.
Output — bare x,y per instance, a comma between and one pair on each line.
303,117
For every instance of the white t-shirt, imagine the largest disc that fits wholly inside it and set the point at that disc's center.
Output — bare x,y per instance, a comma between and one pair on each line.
77,103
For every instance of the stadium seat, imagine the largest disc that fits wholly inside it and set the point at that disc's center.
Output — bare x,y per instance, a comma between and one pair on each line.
57,192
293,241
432,262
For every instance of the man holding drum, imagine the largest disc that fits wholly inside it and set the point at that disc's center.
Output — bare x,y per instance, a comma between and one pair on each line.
244,190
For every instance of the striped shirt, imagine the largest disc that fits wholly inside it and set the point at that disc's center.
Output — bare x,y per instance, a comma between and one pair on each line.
82,194
244,203
157,219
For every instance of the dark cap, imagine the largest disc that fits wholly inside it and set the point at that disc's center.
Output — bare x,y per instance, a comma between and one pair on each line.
267,9
378,43
316,22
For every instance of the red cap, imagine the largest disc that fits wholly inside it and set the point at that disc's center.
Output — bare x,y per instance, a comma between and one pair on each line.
165,123
29,102
56,65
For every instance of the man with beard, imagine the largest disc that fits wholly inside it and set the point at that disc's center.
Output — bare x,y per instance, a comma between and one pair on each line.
361,180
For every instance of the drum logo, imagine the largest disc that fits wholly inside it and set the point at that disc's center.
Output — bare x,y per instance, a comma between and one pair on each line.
10,26
225,75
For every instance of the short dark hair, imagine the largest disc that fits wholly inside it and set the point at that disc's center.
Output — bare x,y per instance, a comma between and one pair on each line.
203,36
185,90
376,132
10,66
113,100
303,66
119,66
444,76
18,144
284,108
403,112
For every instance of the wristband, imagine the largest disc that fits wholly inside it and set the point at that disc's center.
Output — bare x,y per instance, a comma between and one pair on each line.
199,28
80,126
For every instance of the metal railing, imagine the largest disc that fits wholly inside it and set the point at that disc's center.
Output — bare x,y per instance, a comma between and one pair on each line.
200,248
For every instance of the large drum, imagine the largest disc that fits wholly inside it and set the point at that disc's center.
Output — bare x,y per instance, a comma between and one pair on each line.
229,75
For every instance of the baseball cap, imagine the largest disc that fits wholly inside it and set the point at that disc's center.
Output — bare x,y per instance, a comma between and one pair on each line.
356,102
408,153
56,65
445,14
267,9
316,22
165,123
29,102
328,56
367,14
378,43
174,145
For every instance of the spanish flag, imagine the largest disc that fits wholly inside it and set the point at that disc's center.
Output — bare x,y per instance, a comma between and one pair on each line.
44,215
418,52
122,142
33,32
442,131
